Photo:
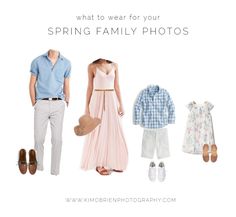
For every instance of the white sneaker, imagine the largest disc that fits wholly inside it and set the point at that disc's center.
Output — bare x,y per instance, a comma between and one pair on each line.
161,172
152,172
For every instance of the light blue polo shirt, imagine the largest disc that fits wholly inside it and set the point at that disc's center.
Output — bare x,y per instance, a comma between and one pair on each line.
50,79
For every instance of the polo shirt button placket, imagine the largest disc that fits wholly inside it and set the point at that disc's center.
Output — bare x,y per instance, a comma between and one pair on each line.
52,66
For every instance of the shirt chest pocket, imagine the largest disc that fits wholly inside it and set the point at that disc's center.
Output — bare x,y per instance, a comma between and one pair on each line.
147,105
160,105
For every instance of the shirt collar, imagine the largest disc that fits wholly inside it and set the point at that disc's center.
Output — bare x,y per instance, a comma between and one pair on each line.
152,90
59,57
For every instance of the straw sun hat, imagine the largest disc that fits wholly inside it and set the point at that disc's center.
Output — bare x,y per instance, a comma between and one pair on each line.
86,125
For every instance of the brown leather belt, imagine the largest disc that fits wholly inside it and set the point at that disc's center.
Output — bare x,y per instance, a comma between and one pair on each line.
104,89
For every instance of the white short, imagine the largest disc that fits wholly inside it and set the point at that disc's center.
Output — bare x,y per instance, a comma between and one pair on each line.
155,139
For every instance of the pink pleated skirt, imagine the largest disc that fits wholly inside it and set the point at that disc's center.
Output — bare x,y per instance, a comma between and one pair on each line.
105,146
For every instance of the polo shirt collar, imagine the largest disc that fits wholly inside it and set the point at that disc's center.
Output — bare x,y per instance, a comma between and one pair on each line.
59,57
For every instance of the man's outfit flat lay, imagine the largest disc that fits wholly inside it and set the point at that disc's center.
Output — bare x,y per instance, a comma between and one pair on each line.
154,110
49,105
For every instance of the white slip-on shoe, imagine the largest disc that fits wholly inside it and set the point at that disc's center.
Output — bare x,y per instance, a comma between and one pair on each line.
152,172
161,172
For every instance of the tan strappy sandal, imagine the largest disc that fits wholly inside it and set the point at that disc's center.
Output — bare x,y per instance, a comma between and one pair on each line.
103,171
214,154
205,153
117,171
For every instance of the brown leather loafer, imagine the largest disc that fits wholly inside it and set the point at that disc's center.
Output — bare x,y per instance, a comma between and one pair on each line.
32,162
22,164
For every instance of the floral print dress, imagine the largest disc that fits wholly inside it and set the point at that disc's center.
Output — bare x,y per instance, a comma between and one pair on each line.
199,129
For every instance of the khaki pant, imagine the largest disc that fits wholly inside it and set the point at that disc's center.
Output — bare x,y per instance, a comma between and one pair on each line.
52,111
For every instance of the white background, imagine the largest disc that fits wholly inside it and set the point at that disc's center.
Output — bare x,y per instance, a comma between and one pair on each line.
197,67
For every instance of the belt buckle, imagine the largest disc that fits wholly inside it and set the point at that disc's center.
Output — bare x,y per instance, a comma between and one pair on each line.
50,99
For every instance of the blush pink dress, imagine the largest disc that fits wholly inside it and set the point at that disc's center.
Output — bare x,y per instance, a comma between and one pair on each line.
105,146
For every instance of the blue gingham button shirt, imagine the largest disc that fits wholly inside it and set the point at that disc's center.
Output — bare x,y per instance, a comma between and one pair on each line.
154,108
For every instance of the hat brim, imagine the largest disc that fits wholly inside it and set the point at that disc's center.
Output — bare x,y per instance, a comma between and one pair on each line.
84,130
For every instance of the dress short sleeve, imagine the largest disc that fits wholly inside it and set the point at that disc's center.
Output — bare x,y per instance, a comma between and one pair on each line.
209,106
190,105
